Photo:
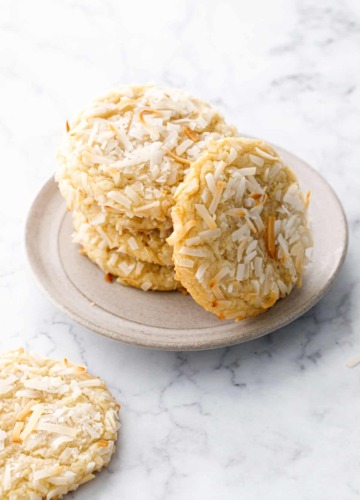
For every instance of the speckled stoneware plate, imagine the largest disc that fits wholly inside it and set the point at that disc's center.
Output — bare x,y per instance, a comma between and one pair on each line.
169,320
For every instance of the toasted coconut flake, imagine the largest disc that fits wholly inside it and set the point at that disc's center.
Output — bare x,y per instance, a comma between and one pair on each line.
191,188
282,287
191,134
256,286
131,193
133,243
209,234
57,442
265,155
217,292
237,212
112,210
148,111
184,161
18,427
307,198
270,241
284,246
3,437
201,270
241,249
47,472
219,169
4,389
56,429
204,214
248,171
219,276
7,478
256,160
185,262
193,241
217,196
119,198
146,286
103,443
248,258
27,393
59,480
258,263
256,196
240,233
91,382
87,478
32,422
251,247
126,104
240,190
179,234
67,126
251,225
264,200
270,301
193,252
183,146
240,272
146,207
210,182
231,156
274,170
26,410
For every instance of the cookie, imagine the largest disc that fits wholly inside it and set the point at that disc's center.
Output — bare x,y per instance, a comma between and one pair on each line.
129,150
128,270
150,246
241,234
58,425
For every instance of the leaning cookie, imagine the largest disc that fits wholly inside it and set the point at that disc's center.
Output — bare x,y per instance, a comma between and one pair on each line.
58,425
241,234
128,270
128,151
150,246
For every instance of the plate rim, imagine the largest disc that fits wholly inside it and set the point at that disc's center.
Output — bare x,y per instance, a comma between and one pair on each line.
181,344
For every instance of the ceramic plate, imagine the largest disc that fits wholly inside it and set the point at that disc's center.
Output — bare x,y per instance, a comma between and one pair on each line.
169,320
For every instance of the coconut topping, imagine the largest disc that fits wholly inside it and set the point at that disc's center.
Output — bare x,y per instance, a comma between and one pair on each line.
129,150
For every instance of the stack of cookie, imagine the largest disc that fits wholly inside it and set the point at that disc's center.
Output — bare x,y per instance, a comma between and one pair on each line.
122,159
165,196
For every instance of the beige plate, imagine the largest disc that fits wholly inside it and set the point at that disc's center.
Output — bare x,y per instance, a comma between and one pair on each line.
169,320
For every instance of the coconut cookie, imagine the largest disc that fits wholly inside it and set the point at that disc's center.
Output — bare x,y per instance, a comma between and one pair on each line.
128,270
129,150
58,425
241,234
148,246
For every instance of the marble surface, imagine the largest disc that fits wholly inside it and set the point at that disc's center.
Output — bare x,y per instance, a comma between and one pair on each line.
275,418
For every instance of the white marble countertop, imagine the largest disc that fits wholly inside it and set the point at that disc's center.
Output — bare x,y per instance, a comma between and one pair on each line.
275,418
